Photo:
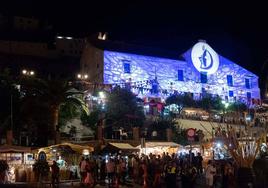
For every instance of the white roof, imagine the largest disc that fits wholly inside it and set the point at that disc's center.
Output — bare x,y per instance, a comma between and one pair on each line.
14,149
122,145
161,144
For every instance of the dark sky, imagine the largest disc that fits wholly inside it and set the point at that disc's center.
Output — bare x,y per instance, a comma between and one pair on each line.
235,30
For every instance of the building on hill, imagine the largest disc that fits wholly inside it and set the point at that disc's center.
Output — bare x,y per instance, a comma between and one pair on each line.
157,74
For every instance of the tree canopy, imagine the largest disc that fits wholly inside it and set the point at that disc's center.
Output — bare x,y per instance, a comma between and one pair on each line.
122,106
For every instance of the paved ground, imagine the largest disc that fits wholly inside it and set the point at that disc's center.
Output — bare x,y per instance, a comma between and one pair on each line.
200,183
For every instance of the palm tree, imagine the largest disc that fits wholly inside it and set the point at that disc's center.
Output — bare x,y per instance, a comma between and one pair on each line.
55,93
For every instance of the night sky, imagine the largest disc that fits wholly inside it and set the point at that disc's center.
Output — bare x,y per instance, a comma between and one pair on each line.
236,31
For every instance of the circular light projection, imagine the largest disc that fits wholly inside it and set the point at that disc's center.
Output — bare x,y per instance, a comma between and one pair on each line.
204,58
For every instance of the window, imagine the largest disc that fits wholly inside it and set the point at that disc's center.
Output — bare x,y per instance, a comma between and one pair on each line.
180,75
126,68
231,93
247,83
204,78
248,95
229,80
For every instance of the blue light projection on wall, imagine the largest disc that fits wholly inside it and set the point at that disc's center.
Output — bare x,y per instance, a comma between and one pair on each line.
142,68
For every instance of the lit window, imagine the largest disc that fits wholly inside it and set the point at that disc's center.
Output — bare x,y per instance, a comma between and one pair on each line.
229,80
180,75
231,93
126,68
247,83
204,78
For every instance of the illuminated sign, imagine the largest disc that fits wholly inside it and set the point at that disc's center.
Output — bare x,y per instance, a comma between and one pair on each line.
204,58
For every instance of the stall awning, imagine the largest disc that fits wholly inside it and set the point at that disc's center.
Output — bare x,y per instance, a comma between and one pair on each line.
160,144
74,147
123,146
14,149
113,147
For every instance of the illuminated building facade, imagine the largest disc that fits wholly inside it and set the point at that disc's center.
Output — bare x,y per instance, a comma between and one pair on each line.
201,71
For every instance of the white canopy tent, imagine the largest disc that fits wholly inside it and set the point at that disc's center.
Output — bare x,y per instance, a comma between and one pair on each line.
157,148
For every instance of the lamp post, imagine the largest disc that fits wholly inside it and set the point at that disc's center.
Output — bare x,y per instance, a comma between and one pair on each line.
82,76
82,79
28,72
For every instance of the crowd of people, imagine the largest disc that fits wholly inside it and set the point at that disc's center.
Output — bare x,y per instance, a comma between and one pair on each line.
155,171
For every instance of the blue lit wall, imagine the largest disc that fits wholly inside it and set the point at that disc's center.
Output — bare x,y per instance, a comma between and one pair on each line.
144,68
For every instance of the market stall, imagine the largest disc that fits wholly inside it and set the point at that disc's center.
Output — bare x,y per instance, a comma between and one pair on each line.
19,160
67,156
119,148
65,151
157,148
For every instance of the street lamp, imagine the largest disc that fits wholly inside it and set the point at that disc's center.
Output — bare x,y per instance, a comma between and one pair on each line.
28,72
82,76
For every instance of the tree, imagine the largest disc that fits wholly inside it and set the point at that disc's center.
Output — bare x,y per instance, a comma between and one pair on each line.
122,106
182,100
55,94
91,119
161,124
237,107
9,100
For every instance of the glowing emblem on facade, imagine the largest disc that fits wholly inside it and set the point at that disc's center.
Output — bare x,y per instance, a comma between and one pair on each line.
204,58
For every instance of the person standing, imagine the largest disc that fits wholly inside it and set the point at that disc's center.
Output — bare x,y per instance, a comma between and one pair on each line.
199,161
89,180
110,169
171,174
73,171
83,171
55,174
210,173
123,170
145,174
